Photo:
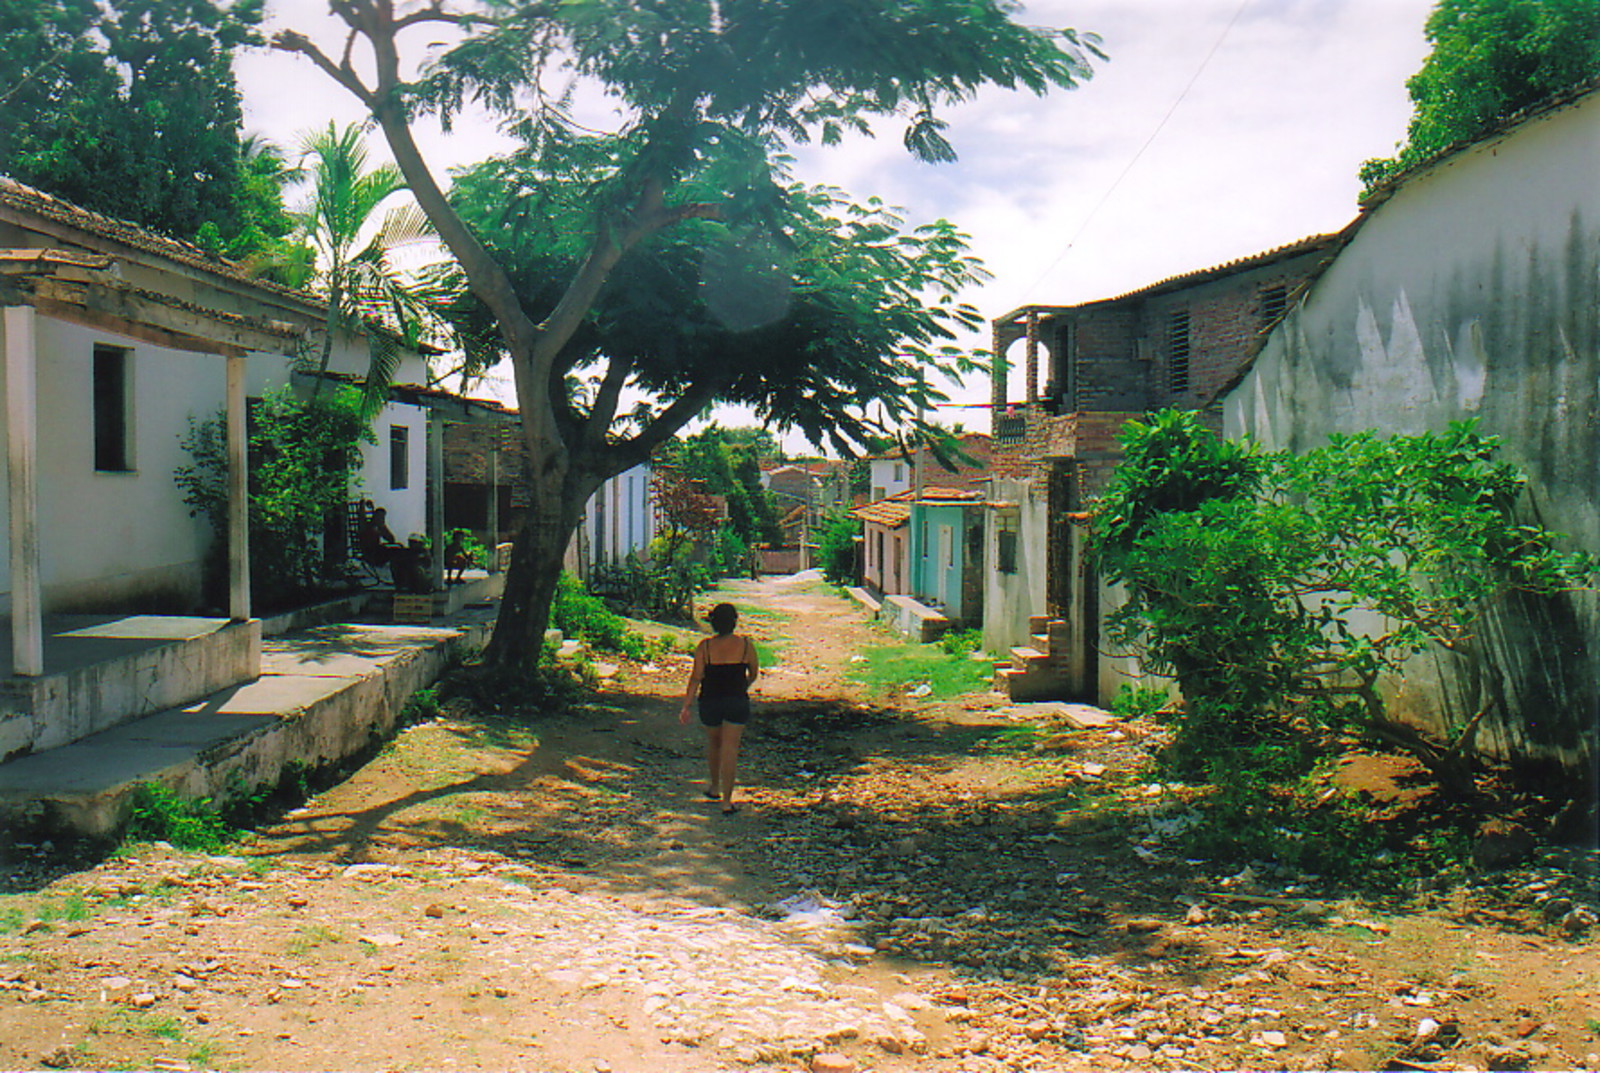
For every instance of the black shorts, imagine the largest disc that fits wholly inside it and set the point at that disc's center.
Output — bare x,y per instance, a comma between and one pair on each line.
714,711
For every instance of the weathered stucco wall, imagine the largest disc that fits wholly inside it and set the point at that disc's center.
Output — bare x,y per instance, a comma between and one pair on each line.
1473,292
1010,598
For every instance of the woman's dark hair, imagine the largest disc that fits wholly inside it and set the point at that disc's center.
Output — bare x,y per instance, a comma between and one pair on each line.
723,618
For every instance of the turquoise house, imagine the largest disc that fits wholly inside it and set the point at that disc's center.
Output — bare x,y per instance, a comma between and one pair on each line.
946,567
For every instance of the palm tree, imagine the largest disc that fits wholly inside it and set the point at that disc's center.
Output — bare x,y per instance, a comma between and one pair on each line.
343,249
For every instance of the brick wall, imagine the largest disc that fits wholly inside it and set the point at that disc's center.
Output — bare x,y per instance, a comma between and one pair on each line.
1226,319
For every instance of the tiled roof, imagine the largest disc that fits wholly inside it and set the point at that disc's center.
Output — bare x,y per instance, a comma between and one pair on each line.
887,512
895,510
19,197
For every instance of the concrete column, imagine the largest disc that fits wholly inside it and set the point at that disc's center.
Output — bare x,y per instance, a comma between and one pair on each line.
436,488
494,502
238,494
997,387
22,448
1033,357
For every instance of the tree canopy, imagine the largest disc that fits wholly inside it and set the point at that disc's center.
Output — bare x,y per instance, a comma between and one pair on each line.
129,107
673,259
1490,59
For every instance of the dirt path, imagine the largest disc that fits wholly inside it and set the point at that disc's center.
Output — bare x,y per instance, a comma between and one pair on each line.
908,884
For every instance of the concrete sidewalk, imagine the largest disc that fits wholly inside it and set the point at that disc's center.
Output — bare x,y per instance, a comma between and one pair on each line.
324,694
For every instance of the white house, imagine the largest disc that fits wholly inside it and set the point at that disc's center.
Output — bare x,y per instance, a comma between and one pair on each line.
114,339
618,521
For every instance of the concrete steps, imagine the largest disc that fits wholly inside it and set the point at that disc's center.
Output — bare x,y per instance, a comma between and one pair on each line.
1037,670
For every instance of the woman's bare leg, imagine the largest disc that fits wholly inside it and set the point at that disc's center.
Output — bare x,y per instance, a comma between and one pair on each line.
714,760
731,733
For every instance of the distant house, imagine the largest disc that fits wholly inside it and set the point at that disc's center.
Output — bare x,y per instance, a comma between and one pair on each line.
892,472
1469,287
946,562
885,564
1173,343
619,521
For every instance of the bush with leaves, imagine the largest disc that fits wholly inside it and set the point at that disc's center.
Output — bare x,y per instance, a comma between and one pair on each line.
1281,590
836,548
303,459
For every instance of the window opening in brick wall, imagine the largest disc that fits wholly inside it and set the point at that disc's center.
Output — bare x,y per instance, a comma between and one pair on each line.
1006,524
399,457
112,421
1274,303
1178,350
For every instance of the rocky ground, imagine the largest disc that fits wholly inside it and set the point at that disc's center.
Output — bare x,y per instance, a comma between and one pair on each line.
962,886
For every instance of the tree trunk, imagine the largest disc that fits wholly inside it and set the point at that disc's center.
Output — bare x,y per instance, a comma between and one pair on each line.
537,553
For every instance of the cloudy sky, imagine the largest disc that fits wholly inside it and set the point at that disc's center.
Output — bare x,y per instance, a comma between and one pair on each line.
1216,129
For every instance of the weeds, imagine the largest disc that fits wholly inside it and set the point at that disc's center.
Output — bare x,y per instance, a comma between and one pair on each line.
421,707
1137,702
961,642
160,815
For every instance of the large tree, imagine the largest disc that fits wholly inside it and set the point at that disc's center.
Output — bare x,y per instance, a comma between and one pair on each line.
673,257
130,107
1490,59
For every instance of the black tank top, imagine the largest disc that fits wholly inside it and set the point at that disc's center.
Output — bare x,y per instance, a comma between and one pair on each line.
725,679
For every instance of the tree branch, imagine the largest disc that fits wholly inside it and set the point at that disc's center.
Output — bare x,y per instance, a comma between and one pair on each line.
344,74
677,414
605,401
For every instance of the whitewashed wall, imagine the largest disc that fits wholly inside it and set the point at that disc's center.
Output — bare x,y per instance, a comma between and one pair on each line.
619,519
1473,292
127,538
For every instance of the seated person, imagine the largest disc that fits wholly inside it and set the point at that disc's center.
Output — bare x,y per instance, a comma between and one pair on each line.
379,547
456,559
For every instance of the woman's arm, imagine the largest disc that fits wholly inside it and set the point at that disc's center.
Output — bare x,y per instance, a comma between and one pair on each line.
752,663
695,674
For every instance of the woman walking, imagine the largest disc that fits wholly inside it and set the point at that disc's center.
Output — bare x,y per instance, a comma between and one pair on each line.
725,666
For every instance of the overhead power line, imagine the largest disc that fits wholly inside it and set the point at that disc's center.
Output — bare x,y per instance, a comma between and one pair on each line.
1087,220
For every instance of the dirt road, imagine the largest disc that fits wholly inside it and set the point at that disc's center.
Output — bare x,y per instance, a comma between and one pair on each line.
909,885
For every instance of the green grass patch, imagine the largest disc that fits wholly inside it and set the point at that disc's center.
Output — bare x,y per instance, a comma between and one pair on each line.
1009,740
769,653
904,668
766,615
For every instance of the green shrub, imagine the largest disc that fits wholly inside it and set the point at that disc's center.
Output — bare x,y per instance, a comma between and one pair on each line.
961,642
303,455
836,548
1248,575
160,815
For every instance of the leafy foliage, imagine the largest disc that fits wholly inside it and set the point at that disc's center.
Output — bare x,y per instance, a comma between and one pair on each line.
727,463
1279,590
302,457
130,108
342,246
1490,59
579,614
